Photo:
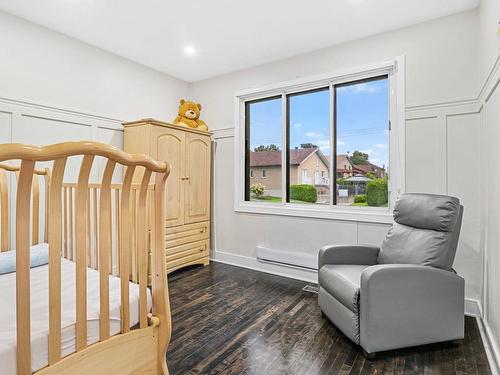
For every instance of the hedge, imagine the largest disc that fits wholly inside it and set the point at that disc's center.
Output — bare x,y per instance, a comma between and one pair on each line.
360,198
305,193
376,192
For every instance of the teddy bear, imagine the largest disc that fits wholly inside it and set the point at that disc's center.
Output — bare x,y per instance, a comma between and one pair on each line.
189,113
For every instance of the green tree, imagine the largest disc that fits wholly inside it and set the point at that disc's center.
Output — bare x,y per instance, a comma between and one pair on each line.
271,147
359,158
308,145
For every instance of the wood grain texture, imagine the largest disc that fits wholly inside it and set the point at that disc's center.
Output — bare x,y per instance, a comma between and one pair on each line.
23,316
55,252
35,210
4,212
125,242
128,354
142,249
81,197
159,287
188,189
230,320
105,243
66,149
141,351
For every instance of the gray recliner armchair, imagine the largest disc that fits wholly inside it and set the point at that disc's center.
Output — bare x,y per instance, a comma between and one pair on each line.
404,293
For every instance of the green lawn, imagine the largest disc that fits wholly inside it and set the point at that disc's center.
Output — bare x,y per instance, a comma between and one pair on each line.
269,198
363,204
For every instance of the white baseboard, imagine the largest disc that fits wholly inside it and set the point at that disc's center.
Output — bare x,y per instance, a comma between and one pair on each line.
252,263
491,346
473,308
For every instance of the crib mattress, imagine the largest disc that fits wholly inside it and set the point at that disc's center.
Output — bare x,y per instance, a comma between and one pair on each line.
40,313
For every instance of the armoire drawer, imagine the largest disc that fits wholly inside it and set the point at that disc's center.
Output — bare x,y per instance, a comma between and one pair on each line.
187,233
186,253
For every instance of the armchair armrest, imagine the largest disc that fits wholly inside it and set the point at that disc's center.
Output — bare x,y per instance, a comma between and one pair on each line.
348,254
404,305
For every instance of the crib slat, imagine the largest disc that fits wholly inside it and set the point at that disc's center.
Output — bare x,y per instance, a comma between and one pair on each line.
65,229
71,247
126,232
142,249
161,302
117,228
47,176
4,196
95,247
81,245
55,261
133,248
35,210
105,243
88,248
23,319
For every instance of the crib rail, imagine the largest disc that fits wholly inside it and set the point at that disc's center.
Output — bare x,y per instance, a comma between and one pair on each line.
91,203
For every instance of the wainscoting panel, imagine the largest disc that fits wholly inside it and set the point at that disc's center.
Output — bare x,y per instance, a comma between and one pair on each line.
5,127
371,233
463,181
29,123
426,155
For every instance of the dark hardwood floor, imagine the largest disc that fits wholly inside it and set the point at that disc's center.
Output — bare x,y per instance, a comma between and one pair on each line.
230,320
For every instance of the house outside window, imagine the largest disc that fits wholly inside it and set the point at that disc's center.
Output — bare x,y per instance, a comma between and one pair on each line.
342,139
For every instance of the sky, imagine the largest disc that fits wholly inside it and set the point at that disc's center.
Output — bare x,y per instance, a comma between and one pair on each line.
362,120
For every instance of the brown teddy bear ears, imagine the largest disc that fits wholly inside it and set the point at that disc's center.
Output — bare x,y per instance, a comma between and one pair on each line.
199,106
182,101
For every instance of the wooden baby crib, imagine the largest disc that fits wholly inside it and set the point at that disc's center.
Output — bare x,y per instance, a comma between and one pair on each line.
85,222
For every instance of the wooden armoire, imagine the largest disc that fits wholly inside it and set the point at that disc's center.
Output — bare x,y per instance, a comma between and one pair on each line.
188,186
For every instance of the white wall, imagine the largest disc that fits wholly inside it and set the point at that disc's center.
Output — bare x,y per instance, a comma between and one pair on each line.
44,67
489,14
442,140
54,89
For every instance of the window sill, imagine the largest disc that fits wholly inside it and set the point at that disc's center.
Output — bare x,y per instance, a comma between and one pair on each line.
367,214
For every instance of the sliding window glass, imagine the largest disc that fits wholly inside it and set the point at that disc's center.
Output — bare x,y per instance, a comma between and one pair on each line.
362,142
263,143
336,142
308,158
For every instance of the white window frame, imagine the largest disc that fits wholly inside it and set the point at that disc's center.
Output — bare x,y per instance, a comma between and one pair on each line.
395,70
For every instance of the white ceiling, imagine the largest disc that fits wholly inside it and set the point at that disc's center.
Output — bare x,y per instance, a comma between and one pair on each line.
227,35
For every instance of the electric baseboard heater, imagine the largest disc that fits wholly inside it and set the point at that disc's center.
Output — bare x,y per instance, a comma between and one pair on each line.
287,258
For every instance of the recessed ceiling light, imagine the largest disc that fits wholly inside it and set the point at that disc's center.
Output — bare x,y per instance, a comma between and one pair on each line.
189,50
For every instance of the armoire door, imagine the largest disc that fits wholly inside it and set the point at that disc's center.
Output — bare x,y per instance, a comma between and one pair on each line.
197,198
170,147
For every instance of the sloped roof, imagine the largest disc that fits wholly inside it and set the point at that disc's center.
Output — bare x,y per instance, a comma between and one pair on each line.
270,158
368,167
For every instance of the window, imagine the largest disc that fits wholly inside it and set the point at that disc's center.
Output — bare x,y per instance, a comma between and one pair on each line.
308,130
263,141
362,134
304,179
343,148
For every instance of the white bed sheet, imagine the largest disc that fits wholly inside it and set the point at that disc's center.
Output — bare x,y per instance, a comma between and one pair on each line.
40,313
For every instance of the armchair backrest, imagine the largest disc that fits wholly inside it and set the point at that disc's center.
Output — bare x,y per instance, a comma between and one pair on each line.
426,231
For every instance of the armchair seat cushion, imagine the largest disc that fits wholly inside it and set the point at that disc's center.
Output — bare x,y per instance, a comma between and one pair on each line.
342,281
